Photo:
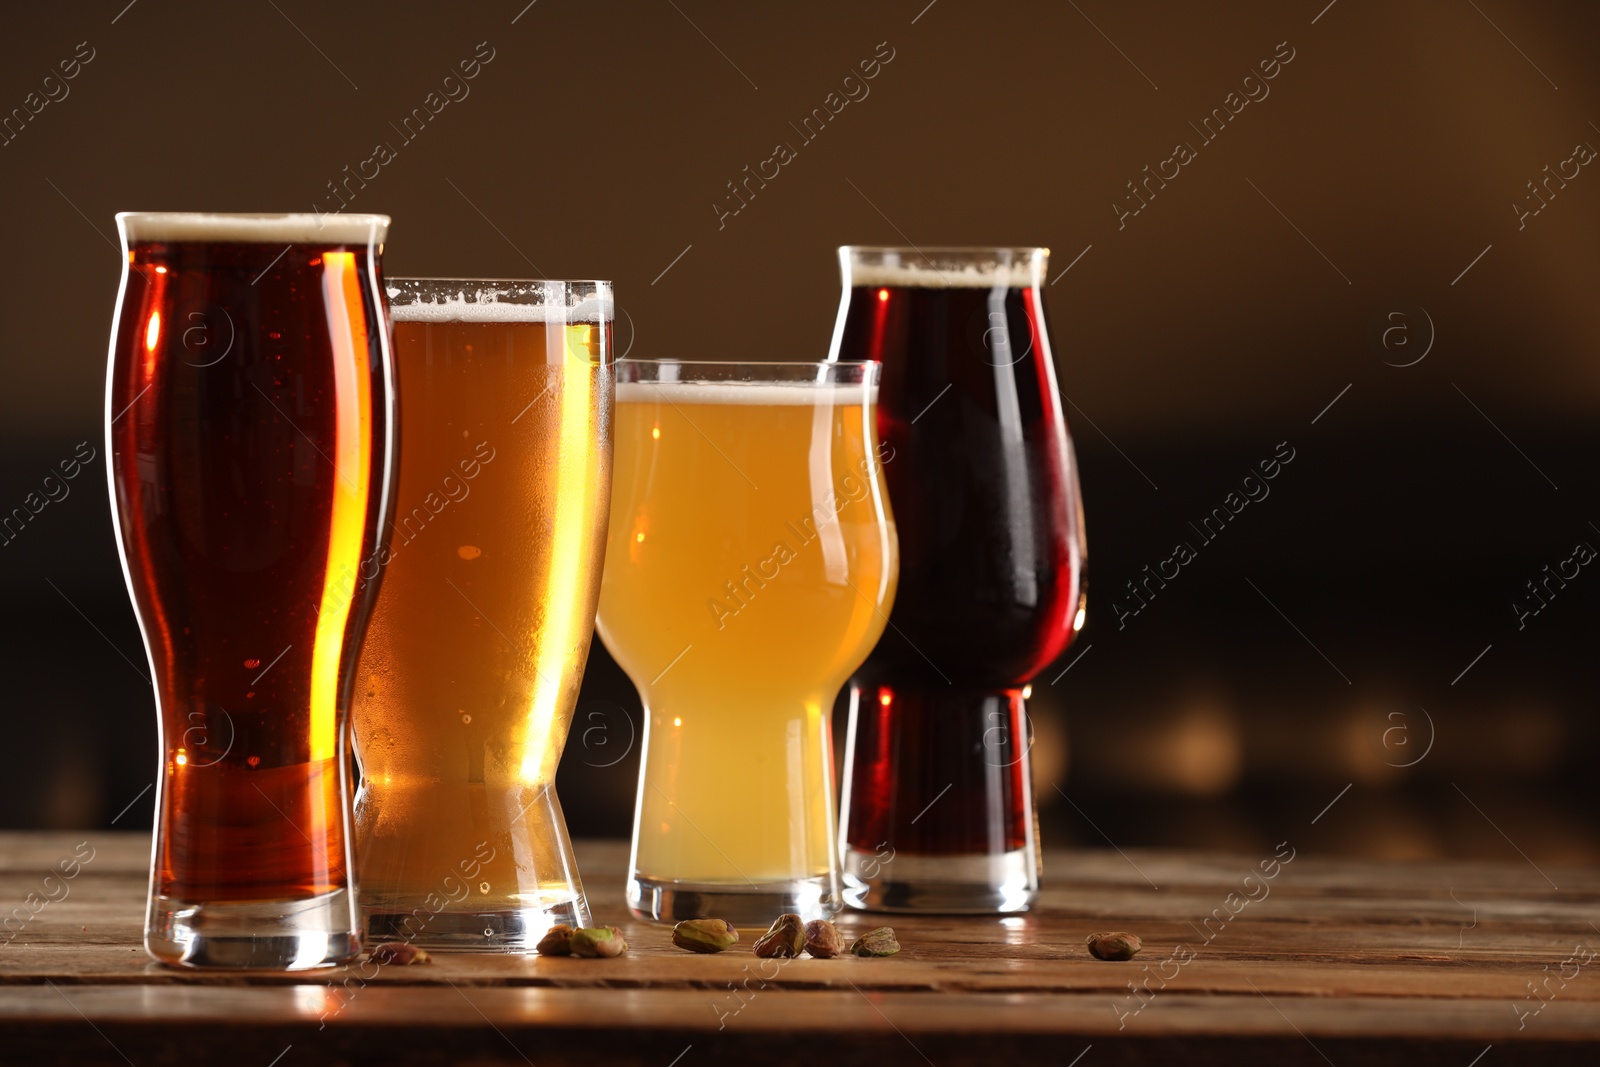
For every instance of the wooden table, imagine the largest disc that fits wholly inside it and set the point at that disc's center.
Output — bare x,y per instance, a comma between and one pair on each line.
1332,962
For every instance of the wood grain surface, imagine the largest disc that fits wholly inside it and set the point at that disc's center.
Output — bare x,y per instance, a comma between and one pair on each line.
1326,962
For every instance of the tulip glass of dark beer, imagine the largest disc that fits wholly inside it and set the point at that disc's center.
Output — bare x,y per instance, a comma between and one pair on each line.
470,672
249,414
937,803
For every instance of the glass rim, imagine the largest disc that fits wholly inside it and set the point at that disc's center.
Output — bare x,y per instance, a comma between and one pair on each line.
750,363
821,374
928,251
265,216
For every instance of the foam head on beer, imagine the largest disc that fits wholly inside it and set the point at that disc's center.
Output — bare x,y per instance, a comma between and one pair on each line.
561,302
164,227
896,268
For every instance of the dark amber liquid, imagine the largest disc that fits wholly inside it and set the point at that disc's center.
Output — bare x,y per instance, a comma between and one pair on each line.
250,403
939,771
985,502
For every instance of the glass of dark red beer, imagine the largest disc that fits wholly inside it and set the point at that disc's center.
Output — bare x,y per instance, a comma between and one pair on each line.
249,415
938,810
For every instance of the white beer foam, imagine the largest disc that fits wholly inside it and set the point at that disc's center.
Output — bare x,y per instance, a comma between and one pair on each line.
764,394
927,276
301,228
457,309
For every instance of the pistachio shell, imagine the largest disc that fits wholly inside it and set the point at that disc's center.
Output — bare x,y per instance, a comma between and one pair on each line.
705,935
823,940
400,952
879,942
557,941
1114,946
597,942
785,939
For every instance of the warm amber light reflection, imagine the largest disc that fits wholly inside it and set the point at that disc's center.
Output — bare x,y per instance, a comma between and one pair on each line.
352,457
575,482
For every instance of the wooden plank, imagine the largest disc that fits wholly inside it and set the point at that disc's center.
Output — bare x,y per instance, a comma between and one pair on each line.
1417,963
209,1023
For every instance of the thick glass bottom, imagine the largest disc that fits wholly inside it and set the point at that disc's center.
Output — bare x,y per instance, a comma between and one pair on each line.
449,866
281,935
740,903
517,930
983,883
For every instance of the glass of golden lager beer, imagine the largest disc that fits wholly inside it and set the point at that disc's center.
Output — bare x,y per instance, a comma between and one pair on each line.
471,667
750,568
249,412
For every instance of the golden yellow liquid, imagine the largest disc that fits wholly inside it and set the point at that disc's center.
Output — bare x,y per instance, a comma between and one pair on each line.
476,647
750,567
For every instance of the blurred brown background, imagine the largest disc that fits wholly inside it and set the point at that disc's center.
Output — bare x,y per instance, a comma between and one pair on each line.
1321,642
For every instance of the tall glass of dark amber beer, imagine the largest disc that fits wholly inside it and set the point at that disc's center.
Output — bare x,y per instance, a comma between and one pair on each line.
938,794
469,675
249,411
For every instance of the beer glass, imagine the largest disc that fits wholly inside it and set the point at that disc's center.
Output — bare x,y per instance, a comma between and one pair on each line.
938,803
470,671
249,410
750,567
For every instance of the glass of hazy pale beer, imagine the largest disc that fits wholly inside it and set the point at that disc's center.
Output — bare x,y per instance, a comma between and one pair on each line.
750,566
476,648
248,421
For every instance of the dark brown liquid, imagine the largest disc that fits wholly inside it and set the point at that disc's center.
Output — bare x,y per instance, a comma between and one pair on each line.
250,406
986,505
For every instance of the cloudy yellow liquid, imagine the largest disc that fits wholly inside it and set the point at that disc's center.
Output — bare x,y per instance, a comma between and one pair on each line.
750,568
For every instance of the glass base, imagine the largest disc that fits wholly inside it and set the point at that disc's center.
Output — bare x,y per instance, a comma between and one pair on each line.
473,931
280,935
983,883
465,867
739,903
